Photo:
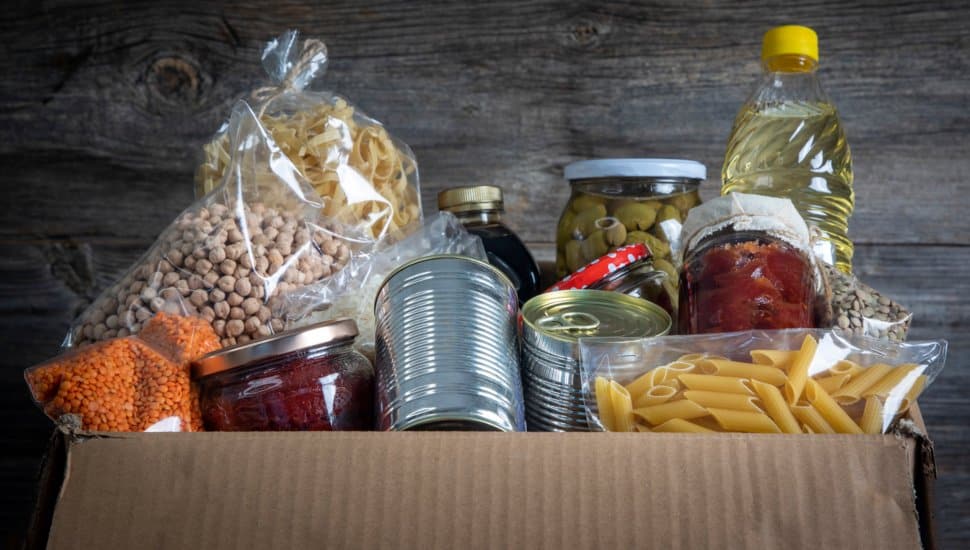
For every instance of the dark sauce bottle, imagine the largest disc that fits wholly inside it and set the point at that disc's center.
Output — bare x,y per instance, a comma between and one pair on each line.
480,210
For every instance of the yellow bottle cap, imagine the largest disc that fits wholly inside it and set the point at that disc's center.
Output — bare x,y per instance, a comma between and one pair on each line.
790,40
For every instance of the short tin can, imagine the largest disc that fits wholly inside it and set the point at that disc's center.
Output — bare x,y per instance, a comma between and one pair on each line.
446,348
551,325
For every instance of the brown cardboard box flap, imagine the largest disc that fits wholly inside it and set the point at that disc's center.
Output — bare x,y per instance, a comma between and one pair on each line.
484,490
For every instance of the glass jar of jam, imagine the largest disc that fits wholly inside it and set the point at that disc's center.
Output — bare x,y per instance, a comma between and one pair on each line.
619,202
304,379
747,264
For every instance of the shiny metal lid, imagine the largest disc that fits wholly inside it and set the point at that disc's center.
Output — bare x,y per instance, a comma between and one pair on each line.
568,315
329,332
463,199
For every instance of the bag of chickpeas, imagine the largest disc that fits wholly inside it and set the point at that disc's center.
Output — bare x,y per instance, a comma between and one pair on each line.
232,255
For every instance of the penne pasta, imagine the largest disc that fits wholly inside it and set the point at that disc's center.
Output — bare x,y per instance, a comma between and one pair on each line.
646,381
735,401
681,425
680,367
834,382
773,357
743,421
691,357
807,415
798,373
846,367
622,408
830,410
776,407
872,421
655,396
710,382
640,428
912,394
658,414
673,383
770,375
604,405
852,392
888,382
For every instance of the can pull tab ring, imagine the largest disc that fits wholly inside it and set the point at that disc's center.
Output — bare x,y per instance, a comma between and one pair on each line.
571,322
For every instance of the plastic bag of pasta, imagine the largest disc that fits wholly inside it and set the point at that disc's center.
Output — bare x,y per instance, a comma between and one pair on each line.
795,381
366,177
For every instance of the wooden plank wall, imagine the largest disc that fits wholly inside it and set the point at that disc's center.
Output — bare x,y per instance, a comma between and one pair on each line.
103,106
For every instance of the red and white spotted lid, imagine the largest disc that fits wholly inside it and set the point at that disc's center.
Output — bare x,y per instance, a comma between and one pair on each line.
602,266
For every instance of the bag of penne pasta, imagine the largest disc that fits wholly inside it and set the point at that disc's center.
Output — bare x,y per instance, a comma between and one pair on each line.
368,179
797,381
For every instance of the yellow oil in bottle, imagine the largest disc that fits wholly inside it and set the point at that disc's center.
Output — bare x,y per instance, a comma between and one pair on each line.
797,151
788,142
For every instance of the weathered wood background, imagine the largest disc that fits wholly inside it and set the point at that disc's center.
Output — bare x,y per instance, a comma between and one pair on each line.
103,106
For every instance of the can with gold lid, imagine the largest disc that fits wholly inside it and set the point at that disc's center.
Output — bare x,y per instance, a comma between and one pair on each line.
480,208
551,325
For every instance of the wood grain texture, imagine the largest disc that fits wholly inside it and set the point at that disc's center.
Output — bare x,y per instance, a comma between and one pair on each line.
103,107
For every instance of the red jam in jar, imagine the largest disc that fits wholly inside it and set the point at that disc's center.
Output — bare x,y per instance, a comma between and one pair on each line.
305,379
745,281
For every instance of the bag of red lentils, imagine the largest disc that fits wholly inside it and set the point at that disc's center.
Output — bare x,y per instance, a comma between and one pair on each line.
129,384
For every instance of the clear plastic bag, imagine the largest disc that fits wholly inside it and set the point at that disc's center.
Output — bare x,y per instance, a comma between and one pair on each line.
367,178
131,384
231,256
352,292
786,381
859,308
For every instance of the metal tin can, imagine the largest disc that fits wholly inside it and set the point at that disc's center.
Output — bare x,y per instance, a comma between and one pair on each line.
447,350
551,326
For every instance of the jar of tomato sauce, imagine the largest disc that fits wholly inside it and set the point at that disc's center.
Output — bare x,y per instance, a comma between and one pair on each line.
304,379
746,266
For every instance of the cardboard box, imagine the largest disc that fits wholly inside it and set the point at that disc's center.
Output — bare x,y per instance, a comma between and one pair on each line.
486,490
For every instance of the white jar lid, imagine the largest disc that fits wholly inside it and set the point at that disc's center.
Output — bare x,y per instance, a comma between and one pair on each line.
635,168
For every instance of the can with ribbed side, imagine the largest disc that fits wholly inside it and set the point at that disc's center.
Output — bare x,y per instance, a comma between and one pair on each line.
551,326
447,349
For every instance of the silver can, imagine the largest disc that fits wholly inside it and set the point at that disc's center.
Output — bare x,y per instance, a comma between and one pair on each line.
446,348
551,326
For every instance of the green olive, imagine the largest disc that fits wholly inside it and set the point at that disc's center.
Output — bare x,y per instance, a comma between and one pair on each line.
685,201
561,268
574,255
614,230
637,216
657,247
585,222
668,212
595,245
585,202
666,267
564,231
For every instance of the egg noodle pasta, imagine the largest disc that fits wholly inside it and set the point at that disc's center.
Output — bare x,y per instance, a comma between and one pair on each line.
831,385
365,177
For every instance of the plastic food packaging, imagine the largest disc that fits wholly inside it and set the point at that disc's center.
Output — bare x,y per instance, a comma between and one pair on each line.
352,292
859,308
617,202
367,178
305,379
789,381
233,254
132,384
747,264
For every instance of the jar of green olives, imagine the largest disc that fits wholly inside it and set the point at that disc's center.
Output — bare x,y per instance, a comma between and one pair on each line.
616,202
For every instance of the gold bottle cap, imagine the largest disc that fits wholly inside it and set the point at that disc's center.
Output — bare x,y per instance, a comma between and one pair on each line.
478,197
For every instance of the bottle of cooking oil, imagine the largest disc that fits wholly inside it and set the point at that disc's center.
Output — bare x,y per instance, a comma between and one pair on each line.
788,142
